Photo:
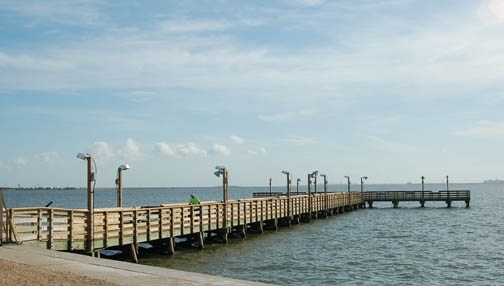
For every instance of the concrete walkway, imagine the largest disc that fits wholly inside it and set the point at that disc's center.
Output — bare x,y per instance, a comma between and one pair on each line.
123,273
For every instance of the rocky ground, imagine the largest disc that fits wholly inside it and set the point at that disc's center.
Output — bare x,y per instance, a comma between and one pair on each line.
13,274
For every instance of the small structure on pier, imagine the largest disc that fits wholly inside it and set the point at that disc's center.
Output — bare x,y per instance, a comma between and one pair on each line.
418,196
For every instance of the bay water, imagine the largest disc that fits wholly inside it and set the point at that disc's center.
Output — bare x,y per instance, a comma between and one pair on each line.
408,245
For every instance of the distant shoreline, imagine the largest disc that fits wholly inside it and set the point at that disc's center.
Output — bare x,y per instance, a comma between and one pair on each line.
494,181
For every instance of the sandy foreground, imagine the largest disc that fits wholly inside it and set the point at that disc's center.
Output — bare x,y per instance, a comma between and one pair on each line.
13,274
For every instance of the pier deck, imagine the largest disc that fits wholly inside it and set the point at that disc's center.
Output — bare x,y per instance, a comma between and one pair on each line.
68,230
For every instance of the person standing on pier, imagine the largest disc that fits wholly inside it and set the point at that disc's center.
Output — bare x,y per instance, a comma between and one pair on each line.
194,200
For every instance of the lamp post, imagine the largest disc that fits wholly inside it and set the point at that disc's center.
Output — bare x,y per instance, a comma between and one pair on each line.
447,192
423,178
348,180
310,176
325,191
270,186
297,187
119,184
314,175
362,183
288,191
90,198
221,170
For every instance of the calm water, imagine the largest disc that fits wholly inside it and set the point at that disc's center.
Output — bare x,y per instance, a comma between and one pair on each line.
383,245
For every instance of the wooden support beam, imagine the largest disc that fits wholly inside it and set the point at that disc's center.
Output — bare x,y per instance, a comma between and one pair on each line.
134,252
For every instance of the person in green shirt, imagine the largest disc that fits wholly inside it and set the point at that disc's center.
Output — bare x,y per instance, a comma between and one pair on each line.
194,200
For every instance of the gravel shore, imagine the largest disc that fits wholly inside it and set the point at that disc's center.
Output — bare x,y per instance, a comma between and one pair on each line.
13,274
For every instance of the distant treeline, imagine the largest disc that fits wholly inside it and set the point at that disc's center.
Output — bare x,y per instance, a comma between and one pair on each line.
38,188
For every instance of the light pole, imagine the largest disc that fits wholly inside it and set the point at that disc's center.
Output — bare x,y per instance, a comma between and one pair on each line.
325,190
288,191
221,170
348,180
310,176
362,183
119,184
314,175
90,198
270,186
423,178
310,203
447,192
297,187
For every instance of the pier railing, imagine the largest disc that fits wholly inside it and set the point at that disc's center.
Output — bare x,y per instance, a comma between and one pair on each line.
421,196
66,229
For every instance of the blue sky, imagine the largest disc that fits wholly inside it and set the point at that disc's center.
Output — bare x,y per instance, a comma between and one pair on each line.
391,89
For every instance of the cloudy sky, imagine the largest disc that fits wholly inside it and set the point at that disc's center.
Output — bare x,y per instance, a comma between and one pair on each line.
391,89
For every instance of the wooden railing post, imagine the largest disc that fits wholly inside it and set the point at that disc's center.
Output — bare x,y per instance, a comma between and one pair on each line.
50,229
2,224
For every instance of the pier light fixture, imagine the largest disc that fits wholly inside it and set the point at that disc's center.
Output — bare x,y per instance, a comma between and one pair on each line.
288,190
90,198
297,187
83,156
314,176
118,182
325,190
270,186
310,177
348,182
124,167
288,181
362,183
447,184
325,181
221,170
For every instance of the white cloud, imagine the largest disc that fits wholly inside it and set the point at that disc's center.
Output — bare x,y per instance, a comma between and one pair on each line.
393,147
299,140
220,150
256,152
142,95
187,26
310,3
486,130
492,12
20,162
285,116
63,12
47,157
164,149
190,149
102,151
237,140
131,150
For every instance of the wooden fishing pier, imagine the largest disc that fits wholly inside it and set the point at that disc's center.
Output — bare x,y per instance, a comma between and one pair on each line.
70,230
82,230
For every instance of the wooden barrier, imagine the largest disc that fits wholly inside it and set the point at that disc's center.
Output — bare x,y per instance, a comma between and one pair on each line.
66,229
